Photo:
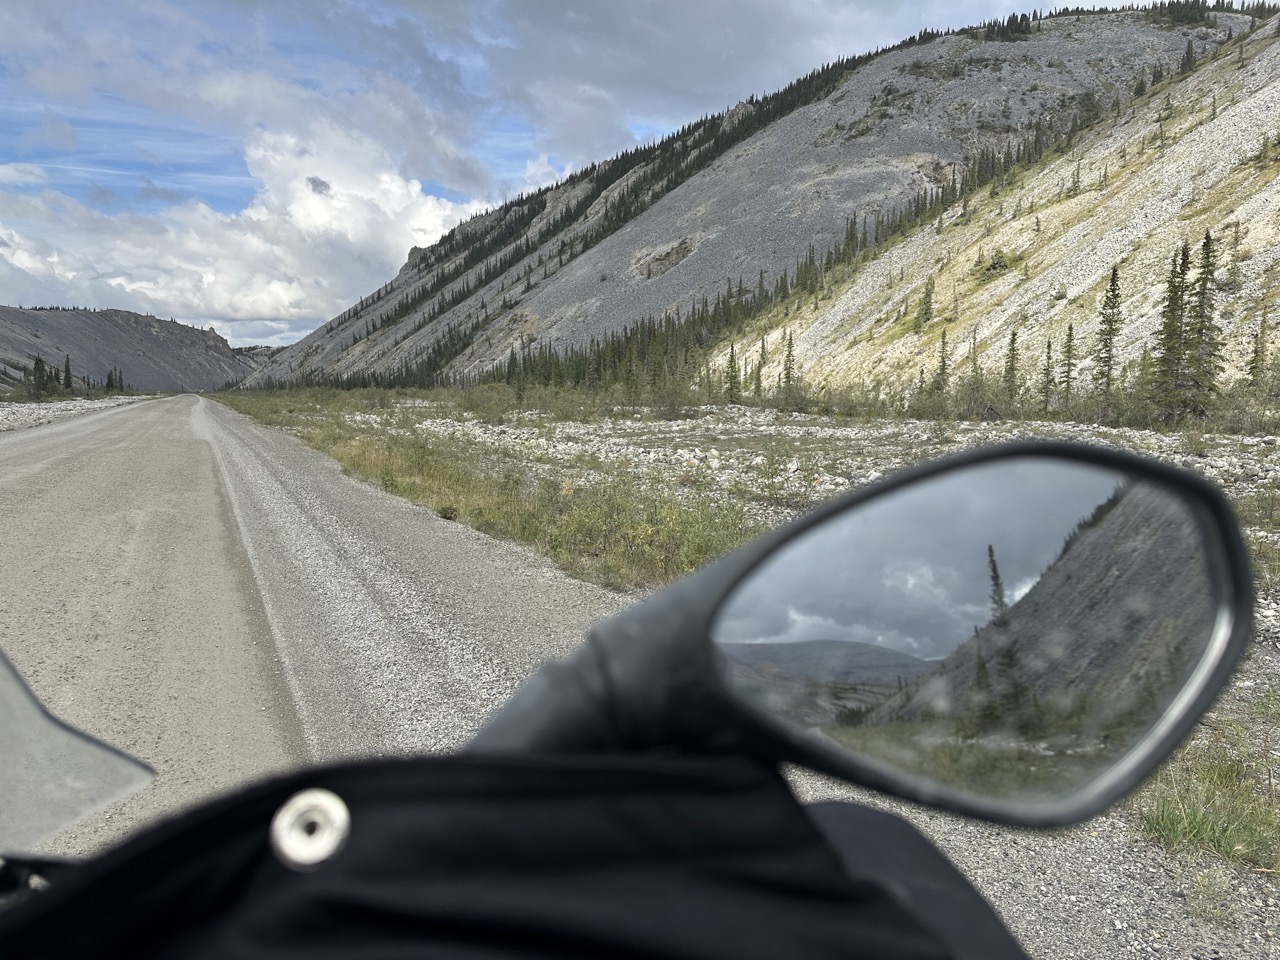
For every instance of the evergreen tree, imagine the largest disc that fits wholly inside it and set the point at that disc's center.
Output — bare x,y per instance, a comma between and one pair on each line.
1011,380
1068,364
66,371
1203,338
999,604
924,313
757,386
1047,382
943,374
789,364
1188,59
1108,332
1171,350
1258,359
732,378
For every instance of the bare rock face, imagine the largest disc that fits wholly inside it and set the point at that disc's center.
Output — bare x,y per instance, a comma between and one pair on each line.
738,197
151,354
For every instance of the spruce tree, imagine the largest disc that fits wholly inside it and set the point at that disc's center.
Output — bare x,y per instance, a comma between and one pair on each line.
1203,338
1108,332
1258,359
789,363
924,314
1047,383
1188,59
943,373
1068,364
999,604
1171,348
757,385
732,378
66,371
1011,380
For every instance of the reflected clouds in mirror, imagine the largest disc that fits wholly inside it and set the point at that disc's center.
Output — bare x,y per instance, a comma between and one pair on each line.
911,572
1009,629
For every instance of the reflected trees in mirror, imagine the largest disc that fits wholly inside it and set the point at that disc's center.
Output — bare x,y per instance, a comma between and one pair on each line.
1008,629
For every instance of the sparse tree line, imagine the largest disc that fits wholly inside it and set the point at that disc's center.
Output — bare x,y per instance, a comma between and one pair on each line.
470,257
1176,380
65,309
45,381
668,360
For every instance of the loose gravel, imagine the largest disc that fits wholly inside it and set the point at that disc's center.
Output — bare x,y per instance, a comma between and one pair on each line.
19,416
398,630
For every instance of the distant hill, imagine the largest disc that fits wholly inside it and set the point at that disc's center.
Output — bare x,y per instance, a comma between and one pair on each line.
1104,138
152,354
1110,631
815,681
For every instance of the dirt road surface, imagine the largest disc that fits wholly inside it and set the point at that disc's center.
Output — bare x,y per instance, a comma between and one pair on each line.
223,603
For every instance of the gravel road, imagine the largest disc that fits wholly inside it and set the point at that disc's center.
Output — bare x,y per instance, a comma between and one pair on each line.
222,602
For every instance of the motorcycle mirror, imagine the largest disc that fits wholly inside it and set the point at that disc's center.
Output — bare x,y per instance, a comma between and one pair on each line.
1021,635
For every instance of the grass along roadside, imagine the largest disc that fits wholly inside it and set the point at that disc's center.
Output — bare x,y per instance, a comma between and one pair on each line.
602,520
605,527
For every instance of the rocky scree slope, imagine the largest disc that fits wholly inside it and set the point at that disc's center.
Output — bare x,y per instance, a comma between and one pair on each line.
659,228
152,354
1197,153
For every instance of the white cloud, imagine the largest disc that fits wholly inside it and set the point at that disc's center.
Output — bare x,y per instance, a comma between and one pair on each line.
294,255
21,174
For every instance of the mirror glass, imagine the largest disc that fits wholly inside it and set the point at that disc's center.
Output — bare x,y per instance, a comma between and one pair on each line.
1008,630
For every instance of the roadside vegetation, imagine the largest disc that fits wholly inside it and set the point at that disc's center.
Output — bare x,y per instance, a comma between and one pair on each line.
734,351
42,382
604,521
600,525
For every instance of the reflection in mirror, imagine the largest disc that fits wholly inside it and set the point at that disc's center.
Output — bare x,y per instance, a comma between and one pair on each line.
1008,630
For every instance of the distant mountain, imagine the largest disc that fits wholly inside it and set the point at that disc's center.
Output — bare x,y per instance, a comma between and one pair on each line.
1097,148
1108,634
815,681
836,661
151,354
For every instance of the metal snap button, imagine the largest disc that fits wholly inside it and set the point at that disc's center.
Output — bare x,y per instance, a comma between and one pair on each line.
311,827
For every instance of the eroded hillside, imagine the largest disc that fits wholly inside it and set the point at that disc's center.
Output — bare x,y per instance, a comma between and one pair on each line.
742,195
1196,153
150,353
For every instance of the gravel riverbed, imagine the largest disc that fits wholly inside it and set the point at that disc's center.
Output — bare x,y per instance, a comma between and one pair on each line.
17,416
1096,890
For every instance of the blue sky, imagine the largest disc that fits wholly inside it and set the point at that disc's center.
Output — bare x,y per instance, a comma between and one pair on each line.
258,166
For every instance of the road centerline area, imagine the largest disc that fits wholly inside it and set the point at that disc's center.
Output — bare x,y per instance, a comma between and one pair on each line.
224,603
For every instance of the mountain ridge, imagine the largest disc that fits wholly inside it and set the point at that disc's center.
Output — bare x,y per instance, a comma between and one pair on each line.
150,353
875,142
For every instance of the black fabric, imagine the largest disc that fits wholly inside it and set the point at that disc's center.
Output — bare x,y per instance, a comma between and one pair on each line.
882,849
487,858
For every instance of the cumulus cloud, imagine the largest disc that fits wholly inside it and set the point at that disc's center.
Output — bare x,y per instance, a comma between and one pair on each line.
21,174
295,256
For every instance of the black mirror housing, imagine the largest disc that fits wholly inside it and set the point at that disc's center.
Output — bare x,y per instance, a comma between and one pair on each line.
652,678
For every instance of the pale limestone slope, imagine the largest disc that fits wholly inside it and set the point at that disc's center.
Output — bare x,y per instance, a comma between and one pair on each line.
1205,177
